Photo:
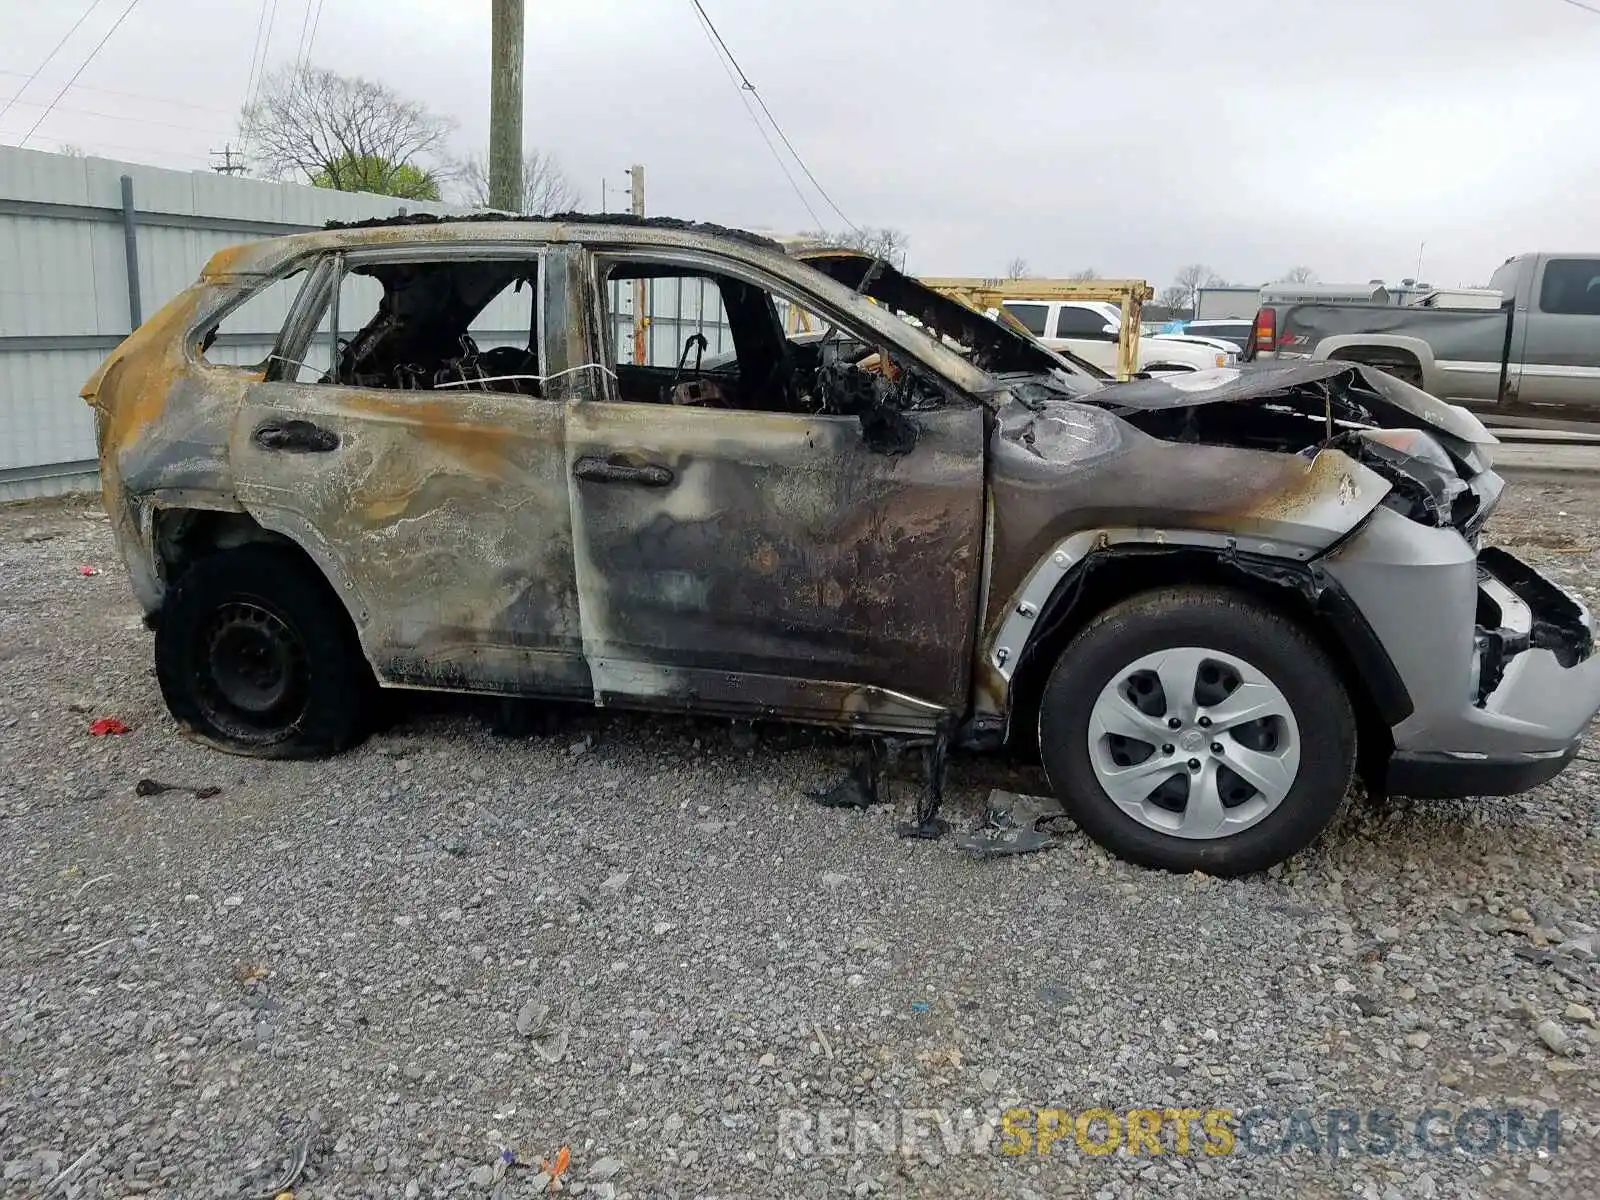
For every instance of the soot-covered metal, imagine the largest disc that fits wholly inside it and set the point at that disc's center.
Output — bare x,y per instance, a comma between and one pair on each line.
869,528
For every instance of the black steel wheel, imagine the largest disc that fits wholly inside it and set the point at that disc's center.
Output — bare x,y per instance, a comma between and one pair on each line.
255,654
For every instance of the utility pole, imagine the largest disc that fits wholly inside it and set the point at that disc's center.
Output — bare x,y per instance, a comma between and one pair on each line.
641,322
232,161
505,106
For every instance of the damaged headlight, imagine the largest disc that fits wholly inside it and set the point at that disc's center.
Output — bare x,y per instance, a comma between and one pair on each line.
1413,442
1428,487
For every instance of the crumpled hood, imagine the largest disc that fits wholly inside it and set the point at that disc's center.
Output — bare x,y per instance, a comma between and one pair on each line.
1433,455
1389,400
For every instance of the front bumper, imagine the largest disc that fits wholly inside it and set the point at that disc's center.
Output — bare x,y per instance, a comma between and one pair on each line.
1432,776
1498,662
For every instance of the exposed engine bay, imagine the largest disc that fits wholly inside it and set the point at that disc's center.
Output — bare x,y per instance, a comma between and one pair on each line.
1431,454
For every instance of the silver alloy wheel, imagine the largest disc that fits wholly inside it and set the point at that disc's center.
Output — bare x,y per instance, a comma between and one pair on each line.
1194,743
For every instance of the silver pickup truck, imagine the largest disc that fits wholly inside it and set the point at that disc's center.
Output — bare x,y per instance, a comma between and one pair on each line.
1539,347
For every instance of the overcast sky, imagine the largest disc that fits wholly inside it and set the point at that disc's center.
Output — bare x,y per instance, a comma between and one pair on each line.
1131,136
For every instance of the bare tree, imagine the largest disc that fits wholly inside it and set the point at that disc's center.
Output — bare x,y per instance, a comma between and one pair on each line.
344,132
1299,275
546,188
1176,298
1084,275
1191,279
1017,268
883,242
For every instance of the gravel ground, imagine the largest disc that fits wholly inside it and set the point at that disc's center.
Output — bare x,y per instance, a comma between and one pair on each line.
356,973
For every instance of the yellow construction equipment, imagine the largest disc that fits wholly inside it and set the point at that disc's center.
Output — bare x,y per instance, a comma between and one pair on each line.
983,294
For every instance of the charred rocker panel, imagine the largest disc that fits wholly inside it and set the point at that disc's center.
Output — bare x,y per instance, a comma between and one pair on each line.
784,546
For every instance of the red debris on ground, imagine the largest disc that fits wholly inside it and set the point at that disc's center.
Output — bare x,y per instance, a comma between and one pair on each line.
104,725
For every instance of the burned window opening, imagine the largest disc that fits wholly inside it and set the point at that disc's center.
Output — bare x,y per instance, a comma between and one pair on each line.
420,338
839,373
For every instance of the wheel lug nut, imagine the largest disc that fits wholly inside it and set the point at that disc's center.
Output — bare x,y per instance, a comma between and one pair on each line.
1173,723
1167,749
1205,722
1216,747
1194,764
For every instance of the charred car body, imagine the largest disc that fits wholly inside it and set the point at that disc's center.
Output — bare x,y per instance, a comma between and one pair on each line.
1198,595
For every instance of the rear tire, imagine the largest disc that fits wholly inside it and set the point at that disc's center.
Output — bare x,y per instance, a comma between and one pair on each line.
256,656
1186,794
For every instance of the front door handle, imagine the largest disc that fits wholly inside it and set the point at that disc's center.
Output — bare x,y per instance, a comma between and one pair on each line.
605,470
297,437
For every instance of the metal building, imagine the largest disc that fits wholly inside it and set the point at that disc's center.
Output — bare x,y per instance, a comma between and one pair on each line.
88,246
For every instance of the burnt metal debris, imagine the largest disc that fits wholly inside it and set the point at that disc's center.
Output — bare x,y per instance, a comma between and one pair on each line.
1013,823
870,780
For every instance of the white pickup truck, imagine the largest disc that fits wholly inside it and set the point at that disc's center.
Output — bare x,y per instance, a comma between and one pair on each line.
1089,329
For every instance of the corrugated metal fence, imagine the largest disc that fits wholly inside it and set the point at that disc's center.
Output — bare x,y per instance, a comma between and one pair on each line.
87,246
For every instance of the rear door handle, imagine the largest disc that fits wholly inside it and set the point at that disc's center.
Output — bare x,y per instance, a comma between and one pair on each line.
603,470
297,437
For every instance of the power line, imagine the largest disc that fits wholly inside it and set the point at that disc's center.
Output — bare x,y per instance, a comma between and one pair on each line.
115,25
153,150
255,54
302,54
89,112
83,87
266,45
1580,4
258,55
751,88
710,32
300,46
56,50
312,40
266,50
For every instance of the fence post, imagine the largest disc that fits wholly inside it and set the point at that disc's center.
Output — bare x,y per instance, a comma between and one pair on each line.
130,239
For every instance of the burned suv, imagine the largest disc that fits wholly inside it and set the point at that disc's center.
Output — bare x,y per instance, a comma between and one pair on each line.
466,465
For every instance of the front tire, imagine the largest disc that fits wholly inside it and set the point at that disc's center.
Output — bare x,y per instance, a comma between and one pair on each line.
1194,729
255,655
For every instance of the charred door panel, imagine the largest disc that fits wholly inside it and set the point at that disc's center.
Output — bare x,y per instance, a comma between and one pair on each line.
442,517
772,562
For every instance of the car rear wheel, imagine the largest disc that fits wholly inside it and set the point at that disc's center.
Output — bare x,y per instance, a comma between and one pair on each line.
1195,729
256,656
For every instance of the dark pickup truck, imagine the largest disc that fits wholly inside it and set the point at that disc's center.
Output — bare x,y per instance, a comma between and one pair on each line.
1539,346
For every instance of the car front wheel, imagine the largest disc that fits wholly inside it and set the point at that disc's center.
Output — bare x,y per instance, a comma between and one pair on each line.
1194,729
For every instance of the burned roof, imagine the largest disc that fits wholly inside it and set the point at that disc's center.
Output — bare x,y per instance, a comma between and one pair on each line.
567,218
